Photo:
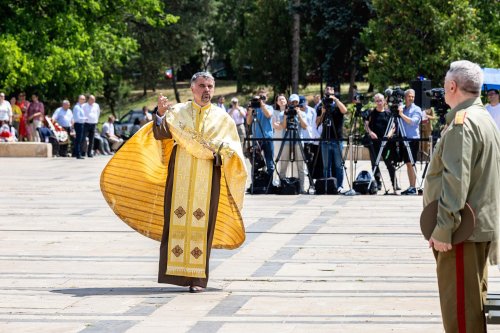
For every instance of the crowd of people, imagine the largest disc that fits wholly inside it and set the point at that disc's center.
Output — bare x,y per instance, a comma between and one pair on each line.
261,126
71,131
262,129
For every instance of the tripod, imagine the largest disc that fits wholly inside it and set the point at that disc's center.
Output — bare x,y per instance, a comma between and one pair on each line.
400,130
255,146
442,122
291,137
354,133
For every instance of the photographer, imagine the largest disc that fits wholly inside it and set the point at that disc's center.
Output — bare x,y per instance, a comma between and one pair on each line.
411,115
262,128
293,120
239,115
376,126
330,114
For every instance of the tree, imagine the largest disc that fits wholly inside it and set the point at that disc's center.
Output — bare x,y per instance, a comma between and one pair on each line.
172,45
489,16
264,51
295,45
228,27
334,37
63,48
421,38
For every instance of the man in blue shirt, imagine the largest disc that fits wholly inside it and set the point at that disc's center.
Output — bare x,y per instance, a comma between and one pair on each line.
79,122
411,116
263,128
64,116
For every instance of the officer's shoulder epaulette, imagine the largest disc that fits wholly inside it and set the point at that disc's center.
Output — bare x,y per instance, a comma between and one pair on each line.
460,117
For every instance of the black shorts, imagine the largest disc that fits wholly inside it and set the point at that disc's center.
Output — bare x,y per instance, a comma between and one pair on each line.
414,145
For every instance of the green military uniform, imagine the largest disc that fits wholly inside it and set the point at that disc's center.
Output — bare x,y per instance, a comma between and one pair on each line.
465,167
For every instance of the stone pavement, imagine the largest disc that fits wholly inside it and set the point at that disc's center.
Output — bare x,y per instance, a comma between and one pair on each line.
310,263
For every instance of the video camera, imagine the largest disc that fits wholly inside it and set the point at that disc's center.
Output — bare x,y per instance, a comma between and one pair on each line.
358,99
255,101
437,100
327,103
290,113
395,98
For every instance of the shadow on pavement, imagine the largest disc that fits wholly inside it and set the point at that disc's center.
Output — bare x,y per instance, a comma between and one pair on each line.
83,292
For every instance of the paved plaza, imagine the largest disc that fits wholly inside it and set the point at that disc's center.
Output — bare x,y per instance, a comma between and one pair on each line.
309,264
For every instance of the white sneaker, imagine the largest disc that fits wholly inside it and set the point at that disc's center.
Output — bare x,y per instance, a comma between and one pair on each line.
340,189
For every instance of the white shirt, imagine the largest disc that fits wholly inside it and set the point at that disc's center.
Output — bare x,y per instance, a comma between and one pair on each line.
495,113
108,128
310,117
91,112
5,111
278,133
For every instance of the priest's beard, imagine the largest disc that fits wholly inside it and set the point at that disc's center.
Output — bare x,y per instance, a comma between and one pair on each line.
205,98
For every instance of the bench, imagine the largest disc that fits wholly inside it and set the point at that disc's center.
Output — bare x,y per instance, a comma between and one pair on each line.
25,149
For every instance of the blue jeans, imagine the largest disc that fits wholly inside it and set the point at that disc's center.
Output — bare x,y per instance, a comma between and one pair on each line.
268,149
331,152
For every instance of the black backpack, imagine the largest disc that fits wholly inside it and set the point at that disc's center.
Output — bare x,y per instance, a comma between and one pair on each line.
360,185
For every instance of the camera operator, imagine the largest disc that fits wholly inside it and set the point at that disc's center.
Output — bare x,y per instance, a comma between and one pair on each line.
330,114
262,128
376,126
293,119
411,115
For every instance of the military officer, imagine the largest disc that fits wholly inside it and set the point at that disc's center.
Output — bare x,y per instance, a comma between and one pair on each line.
465,167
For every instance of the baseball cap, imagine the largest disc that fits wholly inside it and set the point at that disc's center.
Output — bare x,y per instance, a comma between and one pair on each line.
294,98
302,100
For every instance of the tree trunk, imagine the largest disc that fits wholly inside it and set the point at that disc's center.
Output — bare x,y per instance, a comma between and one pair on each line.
321,81
295,45
174,85
239,80
352,80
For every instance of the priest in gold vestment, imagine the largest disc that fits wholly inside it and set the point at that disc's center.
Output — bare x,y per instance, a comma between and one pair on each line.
181,180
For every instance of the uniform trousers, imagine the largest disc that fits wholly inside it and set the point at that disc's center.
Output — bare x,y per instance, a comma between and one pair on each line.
462,275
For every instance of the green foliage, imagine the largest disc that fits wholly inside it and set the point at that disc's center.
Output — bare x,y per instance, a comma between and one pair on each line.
334,35
264,49
63,48
422,38
171,45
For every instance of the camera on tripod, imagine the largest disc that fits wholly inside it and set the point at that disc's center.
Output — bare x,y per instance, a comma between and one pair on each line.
395,98
290,113
437,100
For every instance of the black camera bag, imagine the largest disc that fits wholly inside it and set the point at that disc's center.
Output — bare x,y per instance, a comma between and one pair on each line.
290,186
329,183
